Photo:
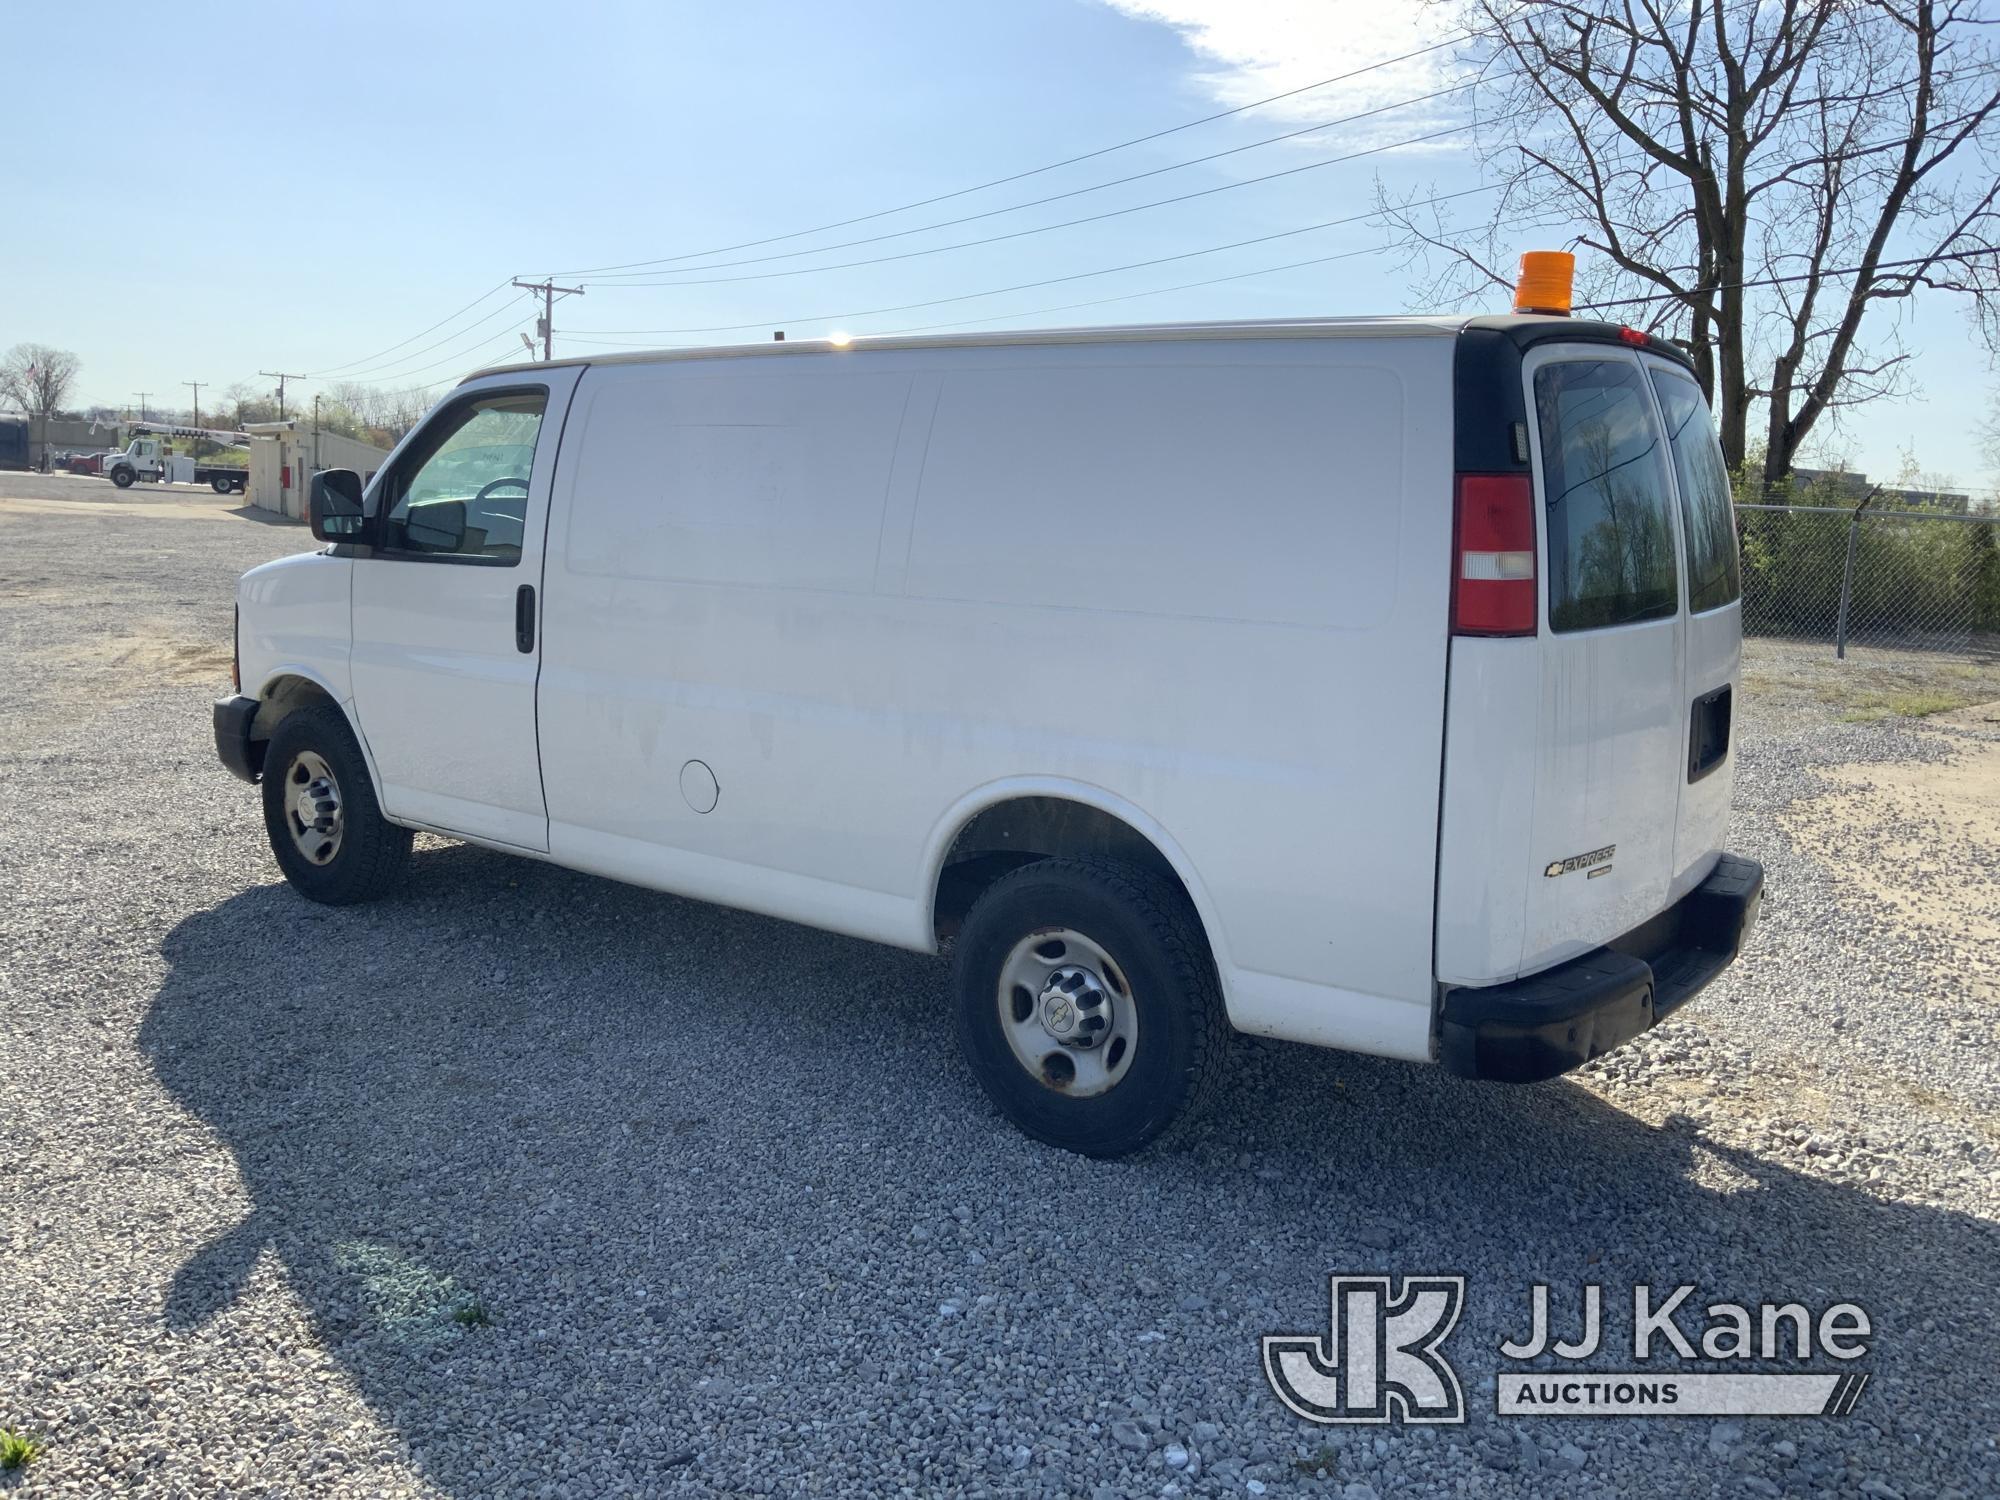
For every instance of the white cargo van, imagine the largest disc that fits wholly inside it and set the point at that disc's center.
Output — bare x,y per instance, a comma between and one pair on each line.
1363,682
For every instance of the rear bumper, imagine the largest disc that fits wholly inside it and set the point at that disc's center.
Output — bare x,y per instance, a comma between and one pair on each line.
1548,1023
240,754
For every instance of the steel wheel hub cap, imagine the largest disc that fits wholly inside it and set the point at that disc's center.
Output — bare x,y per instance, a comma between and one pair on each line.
1075,1010
312,807
1067,1012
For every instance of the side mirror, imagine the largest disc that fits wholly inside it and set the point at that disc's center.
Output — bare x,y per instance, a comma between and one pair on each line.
334,509
435,526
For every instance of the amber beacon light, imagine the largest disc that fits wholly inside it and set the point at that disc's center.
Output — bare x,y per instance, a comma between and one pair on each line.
1544,283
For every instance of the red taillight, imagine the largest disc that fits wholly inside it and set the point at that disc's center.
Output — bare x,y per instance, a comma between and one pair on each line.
1493,566
1633,336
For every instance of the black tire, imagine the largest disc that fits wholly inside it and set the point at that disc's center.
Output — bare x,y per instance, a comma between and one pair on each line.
371,852
220,484
1146,926
123,477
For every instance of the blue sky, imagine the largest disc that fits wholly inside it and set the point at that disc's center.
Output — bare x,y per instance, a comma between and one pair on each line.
309,186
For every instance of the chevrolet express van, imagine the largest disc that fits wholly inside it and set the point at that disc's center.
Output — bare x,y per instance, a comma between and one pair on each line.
1363,682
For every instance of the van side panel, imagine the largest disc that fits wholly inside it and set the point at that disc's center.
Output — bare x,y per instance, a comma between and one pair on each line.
1251,496
1204,580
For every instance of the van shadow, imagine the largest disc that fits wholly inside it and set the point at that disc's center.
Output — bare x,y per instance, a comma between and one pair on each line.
580,1179
265,517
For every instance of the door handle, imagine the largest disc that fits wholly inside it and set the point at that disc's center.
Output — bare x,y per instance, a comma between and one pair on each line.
524,618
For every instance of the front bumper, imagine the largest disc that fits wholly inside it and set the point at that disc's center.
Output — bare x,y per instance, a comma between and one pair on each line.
240,754
1547,1023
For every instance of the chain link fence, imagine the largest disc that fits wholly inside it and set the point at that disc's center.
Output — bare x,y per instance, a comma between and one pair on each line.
1867,577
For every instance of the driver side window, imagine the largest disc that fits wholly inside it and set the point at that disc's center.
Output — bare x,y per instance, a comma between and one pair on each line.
461,495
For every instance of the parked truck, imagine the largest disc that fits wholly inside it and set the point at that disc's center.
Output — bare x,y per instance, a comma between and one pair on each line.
150,455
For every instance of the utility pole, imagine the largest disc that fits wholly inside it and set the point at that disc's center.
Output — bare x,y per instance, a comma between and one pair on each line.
550,291
142,395
281,377
194,444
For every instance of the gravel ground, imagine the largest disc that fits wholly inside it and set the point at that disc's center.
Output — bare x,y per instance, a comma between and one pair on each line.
524,1183
1790,683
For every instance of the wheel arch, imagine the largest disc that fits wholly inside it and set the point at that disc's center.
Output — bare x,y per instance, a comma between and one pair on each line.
288,688
1006,824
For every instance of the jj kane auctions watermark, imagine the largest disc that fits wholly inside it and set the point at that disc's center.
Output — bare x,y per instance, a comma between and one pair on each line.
1382,1357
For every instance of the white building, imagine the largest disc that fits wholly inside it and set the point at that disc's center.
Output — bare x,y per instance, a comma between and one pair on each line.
284,456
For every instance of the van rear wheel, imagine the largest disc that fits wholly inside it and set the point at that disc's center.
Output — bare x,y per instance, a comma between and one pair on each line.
326,829
1087,1004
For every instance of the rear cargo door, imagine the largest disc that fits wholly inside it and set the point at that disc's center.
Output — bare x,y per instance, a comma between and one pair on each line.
1714,589
1612,720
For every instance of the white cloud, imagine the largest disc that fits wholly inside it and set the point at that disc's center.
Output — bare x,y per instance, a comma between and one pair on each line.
1252,49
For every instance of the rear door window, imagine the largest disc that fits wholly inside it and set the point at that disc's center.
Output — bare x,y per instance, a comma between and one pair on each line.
1604,484
1707,510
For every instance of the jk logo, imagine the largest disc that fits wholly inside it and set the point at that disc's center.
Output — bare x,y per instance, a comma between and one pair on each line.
1379,1362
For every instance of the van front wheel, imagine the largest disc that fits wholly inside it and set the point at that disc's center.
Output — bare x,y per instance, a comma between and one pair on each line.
1087,1003
326,829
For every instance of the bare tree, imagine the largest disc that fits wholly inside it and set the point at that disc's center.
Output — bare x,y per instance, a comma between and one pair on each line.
245,402
403,409
1766,180
37,378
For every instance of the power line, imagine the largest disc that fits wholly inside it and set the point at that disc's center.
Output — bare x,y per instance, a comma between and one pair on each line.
1072,223
1023,286
1886,265
1158,291
587,335
379,353
350,366
1289,266
498,312
1457,88
1387,62
957,193
1114,213
459,356
1068,161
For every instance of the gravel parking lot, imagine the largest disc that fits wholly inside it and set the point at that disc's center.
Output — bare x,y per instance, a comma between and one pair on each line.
527,1183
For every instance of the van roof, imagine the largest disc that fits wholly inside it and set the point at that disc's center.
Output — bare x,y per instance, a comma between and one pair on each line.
1525,327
